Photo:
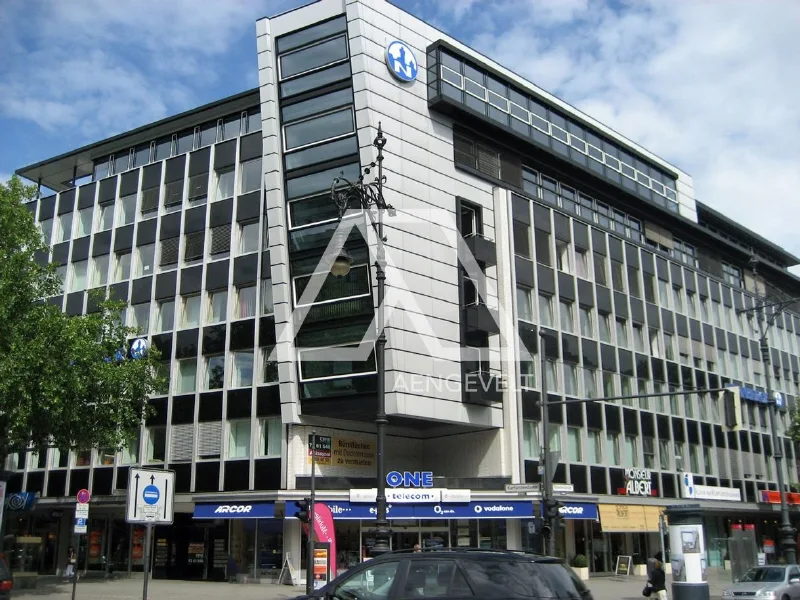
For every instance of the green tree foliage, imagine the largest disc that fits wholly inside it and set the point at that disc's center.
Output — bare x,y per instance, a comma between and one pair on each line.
793,431
60,382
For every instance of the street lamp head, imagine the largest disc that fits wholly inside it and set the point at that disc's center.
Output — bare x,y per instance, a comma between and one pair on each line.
380,141
341,266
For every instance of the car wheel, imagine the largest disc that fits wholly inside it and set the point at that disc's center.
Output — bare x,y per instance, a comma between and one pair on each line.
784,597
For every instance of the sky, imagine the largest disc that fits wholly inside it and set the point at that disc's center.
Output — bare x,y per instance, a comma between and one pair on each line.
711,86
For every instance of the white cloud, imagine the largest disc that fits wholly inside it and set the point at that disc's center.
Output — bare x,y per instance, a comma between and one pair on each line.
712,87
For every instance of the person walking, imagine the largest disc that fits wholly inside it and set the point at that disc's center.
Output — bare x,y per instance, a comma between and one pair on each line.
72,560
658,581
651,562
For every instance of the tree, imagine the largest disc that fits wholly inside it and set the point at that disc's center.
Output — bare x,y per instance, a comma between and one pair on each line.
62,382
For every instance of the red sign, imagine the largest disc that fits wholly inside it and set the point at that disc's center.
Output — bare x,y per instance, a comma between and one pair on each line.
624,492
83,496
771,497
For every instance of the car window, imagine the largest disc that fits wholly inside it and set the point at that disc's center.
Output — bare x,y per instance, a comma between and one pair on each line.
373,583
526,579
794,572
765,574
435,579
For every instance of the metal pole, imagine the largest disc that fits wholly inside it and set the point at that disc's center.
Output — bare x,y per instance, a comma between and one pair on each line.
146,558
787,532
382,533
75,570
661,526
310,542
547,483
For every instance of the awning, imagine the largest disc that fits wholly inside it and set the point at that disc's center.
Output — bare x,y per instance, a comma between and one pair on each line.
240,510
490,509
629,518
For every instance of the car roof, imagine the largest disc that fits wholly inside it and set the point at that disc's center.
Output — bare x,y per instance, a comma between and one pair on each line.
472,553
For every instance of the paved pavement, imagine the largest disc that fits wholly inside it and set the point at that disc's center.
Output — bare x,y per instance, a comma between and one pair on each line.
603,588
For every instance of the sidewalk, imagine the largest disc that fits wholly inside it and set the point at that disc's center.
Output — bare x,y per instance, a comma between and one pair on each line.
630,588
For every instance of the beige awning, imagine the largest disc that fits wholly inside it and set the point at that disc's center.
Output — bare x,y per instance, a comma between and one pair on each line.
629,518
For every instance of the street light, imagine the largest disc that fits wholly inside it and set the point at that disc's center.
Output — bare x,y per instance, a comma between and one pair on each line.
366,195
765,320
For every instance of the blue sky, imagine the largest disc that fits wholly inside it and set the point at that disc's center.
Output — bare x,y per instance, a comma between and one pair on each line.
710,85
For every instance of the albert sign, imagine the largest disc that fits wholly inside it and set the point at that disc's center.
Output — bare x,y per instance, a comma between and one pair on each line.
638,482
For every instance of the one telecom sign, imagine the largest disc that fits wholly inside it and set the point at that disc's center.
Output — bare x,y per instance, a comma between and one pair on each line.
151,496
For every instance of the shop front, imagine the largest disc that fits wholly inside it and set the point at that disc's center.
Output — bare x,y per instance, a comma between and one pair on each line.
623,530
579,519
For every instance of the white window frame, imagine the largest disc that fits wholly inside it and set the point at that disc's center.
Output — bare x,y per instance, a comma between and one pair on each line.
367,292
264,431
303,379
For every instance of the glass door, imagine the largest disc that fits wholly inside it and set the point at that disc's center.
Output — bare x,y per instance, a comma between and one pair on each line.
404,540
435,537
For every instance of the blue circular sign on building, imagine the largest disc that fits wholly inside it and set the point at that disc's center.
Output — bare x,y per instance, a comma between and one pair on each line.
778,399
139,348
401,61
151,495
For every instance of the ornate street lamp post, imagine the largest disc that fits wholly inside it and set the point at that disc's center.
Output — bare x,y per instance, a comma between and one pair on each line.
365,195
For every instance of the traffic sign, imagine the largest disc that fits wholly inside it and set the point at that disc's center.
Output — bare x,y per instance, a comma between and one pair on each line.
83,496
563,488
81,511
80,525
151,496
778,399
521,488
139,348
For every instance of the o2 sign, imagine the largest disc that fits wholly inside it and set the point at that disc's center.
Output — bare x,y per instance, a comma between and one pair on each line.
423,479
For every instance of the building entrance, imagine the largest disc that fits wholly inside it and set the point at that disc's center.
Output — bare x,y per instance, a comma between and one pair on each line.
404,540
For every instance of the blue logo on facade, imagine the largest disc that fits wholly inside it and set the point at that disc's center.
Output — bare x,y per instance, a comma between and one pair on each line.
139,348
416,479
151,495
401,61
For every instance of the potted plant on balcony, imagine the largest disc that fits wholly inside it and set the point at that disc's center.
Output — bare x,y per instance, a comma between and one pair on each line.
581,566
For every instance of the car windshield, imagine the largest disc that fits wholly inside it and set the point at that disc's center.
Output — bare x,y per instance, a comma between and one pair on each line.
765,574
527,579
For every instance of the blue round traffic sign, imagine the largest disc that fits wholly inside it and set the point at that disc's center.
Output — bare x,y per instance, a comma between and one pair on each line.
151,494
139,348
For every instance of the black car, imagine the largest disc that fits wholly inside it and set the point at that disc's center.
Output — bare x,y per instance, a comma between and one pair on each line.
456,573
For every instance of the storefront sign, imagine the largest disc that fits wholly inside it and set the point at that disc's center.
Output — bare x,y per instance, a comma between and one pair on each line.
773,497
342,451
321,567
578,510
405,495
708,492
20,501
629,518
637,482
410,479
473,510
242,510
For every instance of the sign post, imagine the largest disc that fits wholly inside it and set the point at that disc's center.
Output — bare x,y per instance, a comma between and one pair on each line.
151,499
81,519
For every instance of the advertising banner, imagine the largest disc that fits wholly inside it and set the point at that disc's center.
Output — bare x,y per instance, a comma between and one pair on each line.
324,530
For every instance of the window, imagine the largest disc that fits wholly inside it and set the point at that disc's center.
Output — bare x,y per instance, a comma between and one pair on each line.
166,315
543,253
251,175
313,57
47,229
609,384
271,437
612,449
622,333
633,282
84,222
704,310
245,302
173,193
600,275
551,377
586,321
267,307
530,439
187,376
83,458
130,452
242,372
563,256
145,258
193,250
319,128
217,306
470,220
524,309
617,276
100,271
638,337
589,383
127,213
567,316
522,239
220,241
545,310
570,380
156,444
374,582
270,365
169,252
470,292
64,227
527,374
141,318
694,458
78,282
122,266
215,372
669,347
574,453
649,452
248,237
150,200
732,274
649,287
656,350
691,304
190,311
631,454
225,183
664,453
663,293
677,300
595,446
604,325
106,219
198,189
61,273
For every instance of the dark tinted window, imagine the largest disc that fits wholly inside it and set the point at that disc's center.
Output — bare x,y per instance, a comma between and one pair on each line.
435,578
526,579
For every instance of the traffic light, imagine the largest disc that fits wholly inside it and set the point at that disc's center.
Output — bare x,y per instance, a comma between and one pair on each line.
732,406
303,509
551,507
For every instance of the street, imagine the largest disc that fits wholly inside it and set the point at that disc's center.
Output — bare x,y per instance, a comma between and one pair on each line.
603,588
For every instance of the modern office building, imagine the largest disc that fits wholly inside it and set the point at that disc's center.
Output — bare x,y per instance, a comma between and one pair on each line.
515,214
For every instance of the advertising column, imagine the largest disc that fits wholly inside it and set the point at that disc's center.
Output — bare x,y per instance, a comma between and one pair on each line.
687,552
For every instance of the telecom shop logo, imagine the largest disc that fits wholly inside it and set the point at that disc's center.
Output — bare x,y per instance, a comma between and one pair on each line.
437,224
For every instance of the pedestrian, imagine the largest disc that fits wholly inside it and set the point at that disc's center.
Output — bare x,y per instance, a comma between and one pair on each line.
651,562
658,581
417,548
71,562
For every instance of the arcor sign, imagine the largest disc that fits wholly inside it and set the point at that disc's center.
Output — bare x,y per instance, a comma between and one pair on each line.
637,482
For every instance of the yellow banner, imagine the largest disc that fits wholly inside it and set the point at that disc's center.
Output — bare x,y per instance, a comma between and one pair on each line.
342,451
629,518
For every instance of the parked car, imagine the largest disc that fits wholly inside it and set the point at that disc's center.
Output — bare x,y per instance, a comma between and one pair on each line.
774,581
456,573
6,579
